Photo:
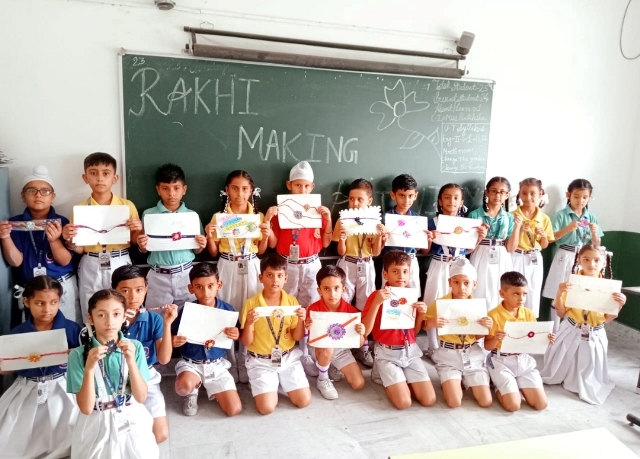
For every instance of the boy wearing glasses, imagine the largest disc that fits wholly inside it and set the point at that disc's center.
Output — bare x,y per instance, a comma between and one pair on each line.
37,248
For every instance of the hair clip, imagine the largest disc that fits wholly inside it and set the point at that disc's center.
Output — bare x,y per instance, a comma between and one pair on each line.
223,193
256,192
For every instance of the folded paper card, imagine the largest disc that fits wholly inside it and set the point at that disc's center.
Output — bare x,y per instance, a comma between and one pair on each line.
593,294
205,325
172,231
33,225
238,226
463,316
406,231
334,330
23,351
360,221
457,231
299,211
101,225
526,337
276,312
398,312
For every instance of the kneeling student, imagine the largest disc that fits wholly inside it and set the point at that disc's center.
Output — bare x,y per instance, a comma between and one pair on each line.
272,358
202,366
513,373
331,287
459,358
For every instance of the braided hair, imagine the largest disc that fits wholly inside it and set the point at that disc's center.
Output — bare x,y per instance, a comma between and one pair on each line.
462,210
494,180
579,184
88,332
255,192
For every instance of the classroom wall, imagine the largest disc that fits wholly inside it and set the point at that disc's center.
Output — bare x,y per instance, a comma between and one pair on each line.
565,105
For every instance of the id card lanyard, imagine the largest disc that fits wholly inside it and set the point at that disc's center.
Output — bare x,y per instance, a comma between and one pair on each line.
533,256
104,258
276,352
585,329
39,270
466,360
241,260
113,391
360,266
294,249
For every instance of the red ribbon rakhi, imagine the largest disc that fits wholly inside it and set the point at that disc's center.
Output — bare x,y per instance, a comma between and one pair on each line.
311,341
35,357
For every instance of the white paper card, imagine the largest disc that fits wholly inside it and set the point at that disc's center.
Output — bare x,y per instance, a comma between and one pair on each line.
238,226
526,337
593,294
457,231
25,344
361,221
334,330
407,231
463,316
172,231
398,312
101,218
203,323
299,211
284,311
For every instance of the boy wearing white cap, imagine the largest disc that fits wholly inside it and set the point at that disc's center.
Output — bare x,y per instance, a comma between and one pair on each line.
459,359
40,249
301,247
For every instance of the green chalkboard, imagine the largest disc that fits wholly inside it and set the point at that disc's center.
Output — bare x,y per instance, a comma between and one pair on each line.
212,117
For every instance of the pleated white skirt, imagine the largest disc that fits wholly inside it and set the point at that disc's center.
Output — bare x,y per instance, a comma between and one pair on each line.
558,272
533,273
489,274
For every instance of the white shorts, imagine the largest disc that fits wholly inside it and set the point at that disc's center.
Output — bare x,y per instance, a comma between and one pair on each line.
360,287
301,282
168,288
513,372
400,365
155,400
220,381
265,378
449,365
340,358
533,273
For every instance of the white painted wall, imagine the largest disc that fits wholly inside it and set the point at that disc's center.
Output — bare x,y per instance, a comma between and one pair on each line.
565,106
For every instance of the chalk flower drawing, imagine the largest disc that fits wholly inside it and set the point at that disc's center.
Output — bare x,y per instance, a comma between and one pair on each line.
399,107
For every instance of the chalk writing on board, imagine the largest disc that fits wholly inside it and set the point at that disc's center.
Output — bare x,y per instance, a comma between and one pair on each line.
314,148
397,108
462,147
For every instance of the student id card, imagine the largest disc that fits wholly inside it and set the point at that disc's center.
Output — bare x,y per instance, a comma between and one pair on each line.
585,332
494,254
361,268
43,392
276,357
242,266
466,360
122,422
39,271
294,252
105,261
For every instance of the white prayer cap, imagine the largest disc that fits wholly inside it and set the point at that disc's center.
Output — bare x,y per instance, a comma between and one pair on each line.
301,171
461,266
38,173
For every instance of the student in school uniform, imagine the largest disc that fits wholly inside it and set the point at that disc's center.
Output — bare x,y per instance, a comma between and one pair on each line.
148,327
356,258
300,249
169,274
108,374
513,374
99,261
397,356
272,357
36,253
37,415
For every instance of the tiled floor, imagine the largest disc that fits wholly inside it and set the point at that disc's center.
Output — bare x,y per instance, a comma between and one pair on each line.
364,424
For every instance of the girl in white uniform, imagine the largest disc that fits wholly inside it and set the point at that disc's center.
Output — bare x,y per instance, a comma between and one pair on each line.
108,375
238,266
578,360
37,414
491,258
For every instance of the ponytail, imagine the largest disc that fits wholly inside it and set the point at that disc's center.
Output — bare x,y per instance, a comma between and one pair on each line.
87,341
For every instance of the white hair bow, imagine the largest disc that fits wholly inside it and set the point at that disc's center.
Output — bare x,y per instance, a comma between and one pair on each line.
256,192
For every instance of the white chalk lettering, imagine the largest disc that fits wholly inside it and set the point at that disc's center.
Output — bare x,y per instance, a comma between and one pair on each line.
273,143
144,95
176,95
313,146
252,145
249,81
198,99
230,95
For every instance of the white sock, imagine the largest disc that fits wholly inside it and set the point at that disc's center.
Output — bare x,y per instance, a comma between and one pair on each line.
323,372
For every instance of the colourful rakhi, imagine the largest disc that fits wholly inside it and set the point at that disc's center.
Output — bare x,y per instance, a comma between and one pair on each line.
173,236
102,231
298,214
34,357
531,334
33,225
460,230
335,331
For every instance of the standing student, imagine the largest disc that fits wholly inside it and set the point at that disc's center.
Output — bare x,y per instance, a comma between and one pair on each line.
532,229
459,359
238,266
356,257
578,360
450,202
36,253
404,191
331,286
99,261
492,256
108,375
147,327
574,226
204,364
300,249
169,274
513,373
37,414
398,357
273,360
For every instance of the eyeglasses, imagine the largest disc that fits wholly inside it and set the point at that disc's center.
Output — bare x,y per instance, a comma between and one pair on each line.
495,192
42,191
